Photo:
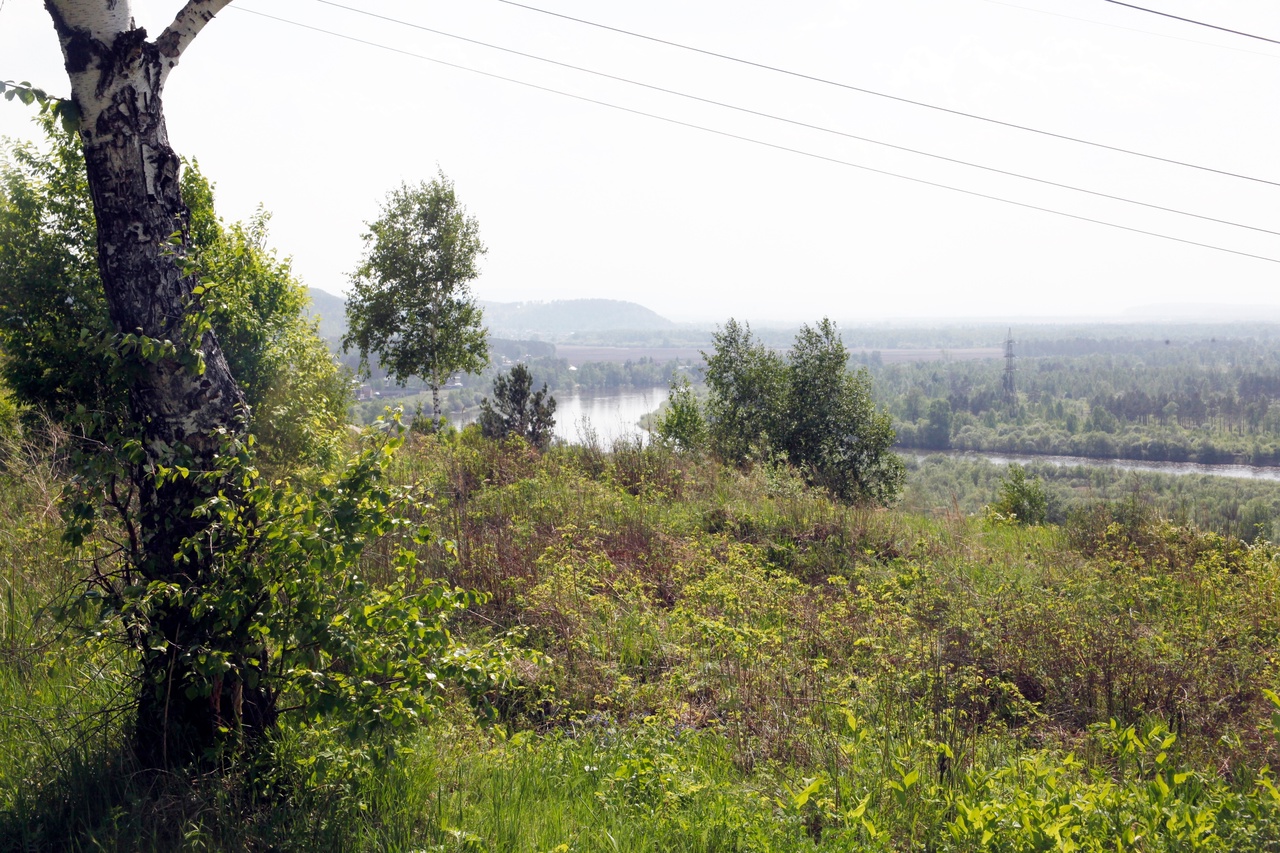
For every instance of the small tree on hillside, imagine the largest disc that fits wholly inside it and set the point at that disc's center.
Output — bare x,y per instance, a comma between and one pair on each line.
681,424
808,406
411,300
748,383
1022,499
834,432
517,411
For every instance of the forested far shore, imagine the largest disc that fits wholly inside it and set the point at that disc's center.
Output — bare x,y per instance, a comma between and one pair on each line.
1211,401
943,485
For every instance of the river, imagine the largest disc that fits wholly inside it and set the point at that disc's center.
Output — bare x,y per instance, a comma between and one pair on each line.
606,417
1240,472
616,414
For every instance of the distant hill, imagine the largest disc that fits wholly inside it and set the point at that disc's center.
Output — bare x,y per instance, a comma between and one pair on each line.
566,316
332,311
524,320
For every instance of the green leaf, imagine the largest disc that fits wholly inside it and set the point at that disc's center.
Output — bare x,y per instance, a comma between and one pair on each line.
798,800
860,809
69,114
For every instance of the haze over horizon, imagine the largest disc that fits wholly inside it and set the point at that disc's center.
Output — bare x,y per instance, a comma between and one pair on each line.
1189,312
578,199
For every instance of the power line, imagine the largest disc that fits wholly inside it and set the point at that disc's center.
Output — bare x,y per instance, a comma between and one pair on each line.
802,76
1132,29
796,122
749,139
1189,21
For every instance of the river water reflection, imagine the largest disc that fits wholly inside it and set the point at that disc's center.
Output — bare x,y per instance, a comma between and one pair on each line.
1241,472
606,416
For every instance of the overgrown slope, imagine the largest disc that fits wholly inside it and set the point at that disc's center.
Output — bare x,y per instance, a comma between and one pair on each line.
711,659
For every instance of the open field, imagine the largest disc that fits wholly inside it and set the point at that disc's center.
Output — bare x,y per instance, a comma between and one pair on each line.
577,355
906,355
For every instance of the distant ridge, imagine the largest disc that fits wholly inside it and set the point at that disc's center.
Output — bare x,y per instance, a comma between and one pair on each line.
522,320
332,311
566,316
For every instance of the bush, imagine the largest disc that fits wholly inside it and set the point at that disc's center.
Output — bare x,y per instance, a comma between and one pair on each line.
808,406
1022,499
515,411
681,425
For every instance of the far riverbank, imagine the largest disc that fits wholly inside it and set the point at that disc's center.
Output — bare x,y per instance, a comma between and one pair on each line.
1240,472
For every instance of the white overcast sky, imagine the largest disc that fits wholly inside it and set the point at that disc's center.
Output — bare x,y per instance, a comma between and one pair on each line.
576,199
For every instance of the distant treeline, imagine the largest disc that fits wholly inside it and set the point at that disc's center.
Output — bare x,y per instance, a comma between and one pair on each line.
1211,402
501,350
1043,339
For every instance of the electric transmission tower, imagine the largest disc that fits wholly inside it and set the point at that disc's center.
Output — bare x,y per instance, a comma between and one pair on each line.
1010,371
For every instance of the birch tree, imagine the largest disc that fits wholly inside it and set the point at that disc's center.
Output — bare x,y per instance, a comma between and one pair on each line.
411,300
243,599
182,397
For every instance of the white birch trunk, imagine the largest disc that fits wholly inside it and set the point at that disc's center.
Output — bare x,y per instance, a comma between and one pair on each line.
117,81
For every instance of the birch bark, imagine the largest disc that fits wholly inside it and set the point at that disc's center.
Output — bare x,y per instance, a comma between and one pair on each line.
117,80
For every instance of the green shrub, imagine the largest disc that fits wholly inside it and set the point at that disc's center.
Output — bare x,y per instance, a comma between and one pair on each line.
1022,500
681,424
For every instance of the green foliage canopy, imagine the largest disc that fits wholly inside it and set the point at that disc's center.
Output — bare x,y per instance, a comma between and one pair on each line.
1022,499
682,424
50,289
411,301
834,432
55,330
748,385
808,406
517,410
937,430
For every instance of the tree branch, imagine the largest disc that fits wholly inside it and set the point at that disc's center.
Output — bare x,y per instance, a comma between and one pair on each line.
185,27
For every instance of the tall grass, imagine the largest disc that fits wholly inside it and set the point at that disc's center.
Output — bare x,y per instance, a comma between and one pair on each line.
713,659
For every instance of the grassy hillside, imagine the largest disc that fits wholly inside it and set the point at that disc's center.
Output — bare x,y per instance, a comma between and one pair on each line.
709,659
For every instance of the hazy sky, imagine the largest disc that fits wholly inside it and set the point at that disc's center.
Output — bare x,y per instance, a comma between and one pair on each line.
576,199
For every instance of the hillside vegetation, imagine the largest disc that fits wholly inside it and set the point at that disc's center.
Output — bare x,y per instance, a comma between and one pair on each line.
229,627
1245,508
710,658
